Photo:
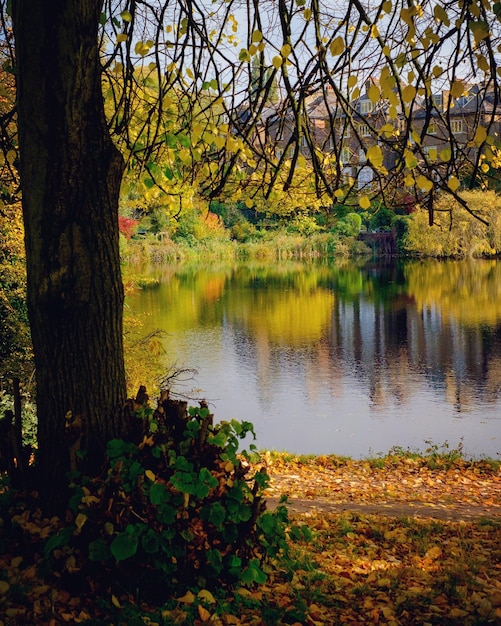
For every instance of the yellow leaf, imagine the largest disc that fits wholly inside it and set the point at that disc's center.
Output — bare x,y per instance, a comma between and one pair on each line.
374,31
410,159
339,193
307,14
352,81
436,551
387,6
375,156
188,598
457,89
441,15
277,62
374,93
205,594
437,71
453,183
480,135
122,37
480,31
483,64
445,154
336,46
408,93
151,475
257,35
364,202
286,50
424,183
116,602
4,587
126,16
80,520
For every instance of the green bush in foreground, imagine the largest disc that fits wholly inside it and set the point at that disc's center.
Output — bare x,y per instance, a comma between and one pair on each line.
172,510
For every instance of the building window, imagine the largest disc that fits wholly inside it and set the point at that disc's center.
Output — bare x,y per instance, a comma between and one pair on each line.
432,128
366,106
345,156
456,126
304,142
364,130
438,100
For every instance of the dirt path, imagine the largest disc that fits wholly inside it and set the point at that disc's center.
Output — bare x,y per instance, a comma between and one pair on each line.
448,512
407,488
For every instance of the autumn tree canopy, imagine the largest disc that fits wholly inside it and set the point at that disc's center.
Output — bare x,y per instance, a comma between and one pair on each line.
213,111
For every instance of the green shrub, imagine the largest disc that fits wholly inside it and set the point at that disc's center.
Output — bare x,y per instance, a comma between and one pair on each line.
349,225
174,509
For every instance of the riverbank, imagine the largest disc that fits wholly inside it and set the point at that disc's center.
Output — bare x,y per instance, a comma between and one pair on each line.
405,565
438,486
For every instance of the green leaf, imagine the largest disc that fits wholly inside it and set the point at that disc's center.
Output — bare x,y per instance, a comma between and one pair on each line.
116,448
166,514
217,514
218,440
207,478
253,573
150,542
57,541
184,140
99,550
124,546
215,559
157,493
267,523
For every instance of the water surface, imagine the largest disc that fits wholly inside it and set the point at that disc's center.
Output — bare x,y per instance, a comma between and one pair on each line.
338,357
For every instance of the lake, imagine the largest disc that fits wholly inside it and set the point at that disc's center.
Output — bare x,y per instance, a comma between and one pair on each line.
339,357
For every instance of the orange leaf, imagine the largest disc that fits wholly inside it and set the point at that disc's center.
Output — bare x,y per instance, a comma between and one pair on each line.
204,613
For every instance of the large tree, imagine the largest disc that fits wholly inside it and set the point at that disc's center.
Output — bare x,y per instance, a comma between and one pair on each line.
70,175
184,60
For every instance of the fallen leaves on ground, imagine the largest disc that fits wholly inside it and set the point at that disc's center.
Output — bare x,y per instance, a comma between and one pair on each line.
358,569
388,482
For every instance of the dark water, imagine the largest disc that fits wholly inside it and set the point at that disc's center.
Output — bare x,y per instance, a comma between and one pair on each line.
340,358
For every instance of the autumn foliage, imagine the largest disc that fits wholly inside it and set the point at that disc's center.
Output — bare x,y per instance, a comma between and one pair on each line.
127,226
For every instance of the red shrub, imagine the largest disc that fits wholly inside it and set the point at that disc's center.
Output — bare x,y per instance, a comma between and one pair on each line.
127,226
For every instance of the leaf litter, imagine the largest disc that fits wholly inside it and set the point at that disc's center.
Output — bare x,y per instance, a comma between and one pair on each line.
408,564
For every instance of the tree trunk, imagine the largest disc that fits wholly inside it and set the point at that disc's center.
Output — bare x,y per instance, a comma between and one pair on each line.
70,176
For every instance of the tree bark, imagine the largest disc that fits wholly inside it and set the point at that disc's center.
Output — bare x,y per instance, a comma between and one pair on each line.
70,177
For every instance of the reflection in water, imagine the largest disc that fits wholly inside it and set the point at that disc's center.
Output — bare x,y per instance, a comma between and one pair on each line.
339,358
